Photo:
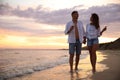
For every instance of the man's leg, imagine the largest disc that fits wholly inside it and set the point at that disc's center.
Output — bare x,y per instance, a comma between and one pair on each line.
71,62
71,55
78,52
77,61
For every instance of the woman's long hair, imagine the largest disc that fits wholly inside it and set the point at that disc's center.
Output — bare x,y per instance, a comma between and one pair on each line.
95,20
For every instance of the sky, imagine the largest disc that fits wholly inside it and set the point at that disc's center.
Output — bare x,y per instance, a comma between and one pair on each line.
40,24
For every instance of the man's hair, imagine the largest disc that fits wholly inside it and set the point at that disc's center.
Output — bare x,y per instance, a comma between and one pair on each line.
74,12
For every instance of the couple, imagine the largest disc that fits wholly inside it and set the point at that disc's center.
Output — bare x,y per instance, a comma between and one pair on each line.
77,36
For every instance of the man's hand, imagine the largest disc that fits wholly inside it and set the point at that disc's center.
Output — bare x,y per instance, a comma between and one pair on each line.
70,29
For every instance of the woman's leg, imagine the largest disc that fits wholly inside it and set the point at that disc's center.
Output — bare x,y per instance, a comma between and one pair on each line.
92,51
94,56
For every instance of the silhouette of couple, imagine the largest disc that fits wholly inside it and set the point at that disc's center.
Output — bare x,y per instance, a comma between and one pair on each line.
77,35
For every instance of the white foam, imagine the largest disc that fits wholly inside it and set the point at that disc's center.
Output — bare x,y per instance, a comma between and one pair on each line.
27,62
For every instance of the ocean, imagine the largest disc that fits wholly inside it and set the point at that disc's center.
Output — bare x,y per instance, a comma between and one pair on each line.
19,62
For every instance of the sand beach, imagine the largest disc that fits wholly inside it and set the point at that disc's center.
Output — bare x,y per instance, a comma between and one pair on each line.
107,69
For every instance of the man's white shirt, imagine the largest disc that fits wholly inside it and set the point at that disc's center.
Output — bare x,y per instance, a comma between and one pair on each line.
71,35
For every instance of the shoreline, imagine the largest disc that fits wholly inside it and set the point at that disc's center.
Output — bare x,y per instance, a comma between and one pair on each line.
113,64
107,69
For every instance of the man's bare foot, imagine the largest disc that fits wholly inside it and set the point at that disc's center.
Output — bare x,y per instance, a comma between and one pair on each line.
76,69
93,71
71,71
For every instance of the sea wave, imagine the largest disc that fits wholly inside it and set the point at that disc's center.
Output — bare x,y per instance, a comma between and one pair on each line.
26,64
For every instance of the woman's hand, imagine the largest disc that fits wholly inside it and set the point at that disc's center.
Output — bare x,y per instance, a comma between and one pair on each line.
104,29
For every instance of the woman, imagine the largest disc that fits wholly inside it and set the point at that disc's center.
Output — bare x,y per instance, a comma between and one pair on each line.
92,34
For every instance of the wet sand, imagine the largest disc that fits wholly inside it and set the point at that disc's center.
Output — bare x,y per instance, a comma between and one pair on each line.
112,61
108,68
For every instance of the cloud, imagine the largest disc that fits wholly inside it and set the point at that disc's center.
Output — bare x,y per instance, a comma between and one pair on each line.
25,30
108,13
5,9
18,30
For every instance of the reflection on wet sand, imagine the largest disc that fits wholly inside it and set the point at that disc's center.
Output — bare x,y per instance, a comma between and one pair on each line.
61,72
85,72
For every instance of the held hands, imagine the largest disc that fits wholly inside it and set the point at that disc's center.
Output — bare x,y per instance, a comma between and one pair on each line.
84,40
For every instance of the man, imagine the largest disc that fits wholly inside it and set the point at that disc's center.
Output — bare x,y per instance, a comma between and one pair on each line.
76,34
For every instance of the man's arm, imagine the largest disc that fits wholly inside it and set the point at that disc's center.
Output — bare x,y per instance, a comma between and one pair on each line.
70,29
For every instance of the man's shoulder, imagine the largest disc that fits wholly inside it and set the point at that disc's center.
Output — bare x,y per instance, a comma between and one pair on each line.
88,24
69,22
79,21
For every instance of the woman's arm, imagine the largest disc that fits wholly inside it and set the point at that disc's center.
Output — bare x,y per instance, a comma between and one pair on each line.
104,29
